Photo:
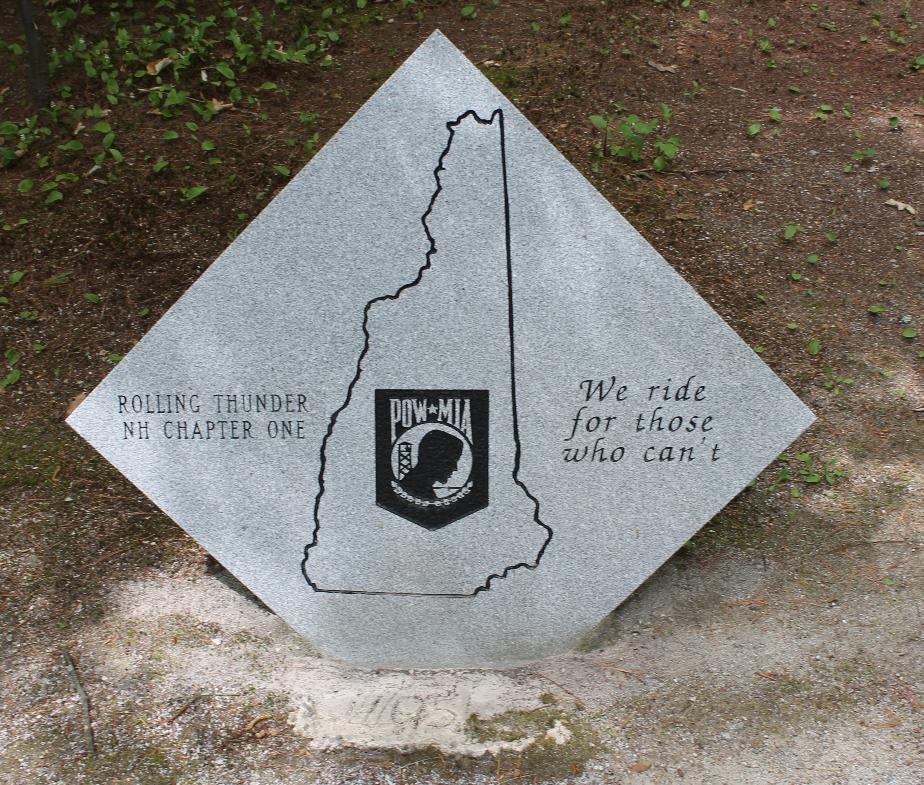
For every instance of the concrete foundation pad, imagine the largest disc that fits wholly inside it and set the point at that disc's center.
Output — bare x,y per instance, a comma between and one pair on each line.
408,711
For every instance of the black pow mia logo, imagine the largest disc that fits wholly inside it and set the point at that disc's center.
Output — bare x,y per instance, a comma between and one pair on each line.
431,454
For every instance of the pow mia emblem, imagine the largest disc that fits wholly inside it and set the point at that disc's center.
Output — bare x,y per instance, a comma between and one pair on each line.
431,454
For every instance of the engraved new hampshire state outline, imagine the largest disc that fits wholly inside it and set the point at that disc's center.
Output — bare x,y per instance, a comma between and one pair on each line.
419,489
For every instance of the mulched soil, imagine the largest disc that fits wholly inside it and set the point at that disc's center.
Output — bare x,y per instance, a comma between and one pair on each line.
73,527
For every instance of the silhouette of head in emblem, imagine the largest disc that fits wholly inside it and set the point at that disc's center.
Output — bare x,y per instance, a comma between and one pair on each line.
437,458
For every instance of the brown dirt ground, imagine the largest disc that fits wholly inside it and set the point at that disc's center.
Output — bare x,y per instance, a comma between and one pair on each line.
785,638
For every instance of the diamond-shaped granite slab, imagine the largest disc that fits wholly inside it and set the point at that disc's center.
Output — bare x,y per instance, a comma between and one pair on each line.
440,404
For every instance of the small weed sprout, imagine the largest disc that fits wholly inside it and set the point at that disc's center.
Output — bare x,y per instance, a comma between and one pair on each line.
631,138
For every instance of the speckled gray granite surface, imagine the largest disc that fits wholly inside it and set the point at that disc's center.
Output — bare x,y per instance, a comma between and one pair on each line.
440,404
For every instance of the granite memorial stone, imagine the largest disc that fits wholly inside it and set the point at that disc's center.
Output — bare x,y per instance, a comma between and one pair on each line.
440,404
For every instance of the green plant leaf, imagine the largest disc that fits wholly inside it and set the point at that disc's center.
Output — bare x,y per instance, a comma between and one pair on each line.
93,298
813,347
10,379
175,98
194,192
58,278
669,148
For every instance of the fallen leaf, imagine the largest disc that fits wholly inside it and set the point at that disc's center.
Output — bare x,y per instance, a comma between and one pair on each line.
156,66
218,106
256,720
664,69
901,206
748,205
75,402
639,766
770,675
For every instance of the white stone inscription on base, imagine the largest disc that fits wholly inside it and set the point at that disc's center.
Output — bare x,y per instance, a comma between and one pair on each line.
440,404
